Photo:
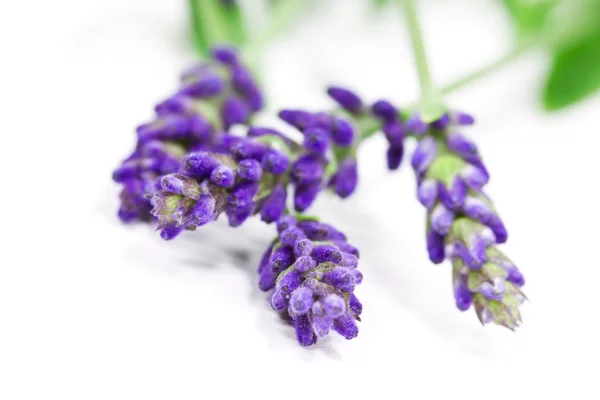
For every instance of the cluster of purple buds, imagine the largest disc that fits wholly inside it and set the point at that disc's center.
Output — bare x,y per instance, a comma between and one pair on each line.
212,97
312,272
240,176
330,141
462,224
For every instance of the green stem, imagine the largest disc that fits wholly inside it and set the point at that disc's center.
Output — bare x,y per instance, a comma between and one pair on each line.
485,71
431,105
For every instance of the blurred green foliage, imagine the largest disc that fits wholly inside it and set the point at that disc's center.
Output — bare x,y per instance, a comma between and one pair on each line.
215,22
570,30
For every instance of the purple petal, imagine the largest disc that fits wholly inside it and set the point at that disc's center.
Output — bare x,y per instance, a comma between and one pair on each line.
441,219
435,246
385,110
316,140
305,263
301,300
275,162
274,205
234,111
303,247
249,170
462,295
304,331
346,99
427,193
424,154
223,176
345,180
326,253
346,326
305,195
342,132
454,197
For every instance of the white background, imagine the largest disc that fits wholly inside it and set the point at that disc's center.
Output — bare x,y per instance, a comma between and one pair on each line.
91,309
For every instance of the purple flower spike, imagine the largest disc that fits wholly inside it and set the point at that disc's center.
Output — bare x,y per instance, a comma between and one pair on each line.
181,127
234,111
316,289
301,301
250,170
345,180
346,99
462,222
316,140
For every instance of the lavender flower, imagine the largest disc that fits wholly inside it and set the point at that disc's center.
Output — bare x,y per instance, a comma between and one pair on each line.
212,97
330,140
238,176
312,272
462,224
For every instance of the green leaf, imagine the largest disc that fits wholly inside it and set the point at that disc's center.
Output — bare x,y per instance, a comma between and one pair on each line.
574,73
529,16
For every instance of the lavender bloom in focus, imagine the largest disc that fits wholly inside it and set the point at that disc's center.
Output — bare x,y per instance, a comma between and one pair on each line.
312,273
463,225
206,103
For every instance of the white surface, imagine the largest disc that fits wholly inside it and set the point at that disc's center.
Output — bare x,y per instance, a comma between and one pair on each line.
90,309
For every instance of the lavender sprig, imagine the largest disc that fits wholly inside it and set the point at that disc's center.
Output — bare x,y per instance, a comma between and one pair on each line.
212,97
244,176
462,224
312,272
